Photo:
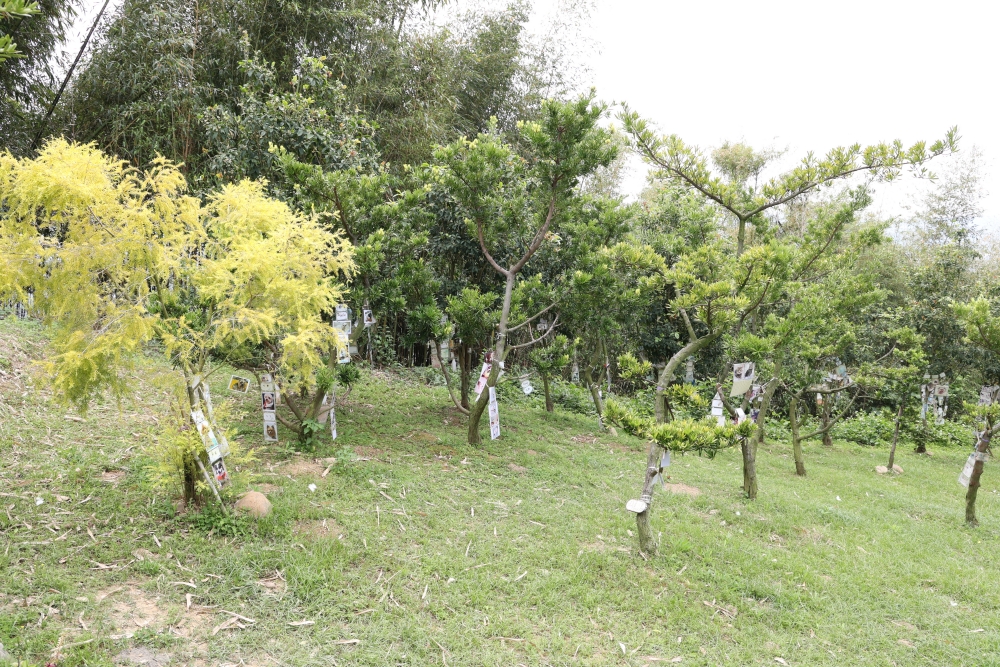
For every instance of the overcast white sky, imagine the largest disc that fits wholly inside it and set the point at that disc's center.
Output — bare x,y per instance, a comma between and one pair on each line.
798,75
807,75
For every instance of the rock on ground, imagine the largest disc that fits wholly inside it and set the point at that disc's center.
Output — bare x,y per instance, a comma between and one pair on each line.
255,503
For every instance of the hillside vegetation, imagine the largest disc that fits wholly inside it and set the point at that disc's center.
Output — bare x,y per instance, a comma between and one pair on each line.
418,549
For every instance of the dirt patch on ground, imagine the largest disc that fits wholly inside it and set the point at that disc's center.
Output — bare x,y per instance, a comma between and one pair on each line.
423,436
140,655
300,467
531,452
132,609
112,476
585,439
517,468
267,488
692,491
317,528
371,452
274,585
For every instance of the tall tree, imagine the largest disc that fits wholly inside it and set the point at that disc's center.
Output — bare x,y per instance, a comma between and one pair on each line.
515,203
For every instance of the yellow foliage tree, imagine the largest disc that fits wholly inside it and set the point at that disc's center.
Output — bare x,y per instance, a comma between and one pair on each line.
116,257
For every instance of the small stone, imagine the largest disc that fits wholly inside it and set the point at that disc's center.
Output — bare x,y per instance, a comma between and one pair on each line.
255,503
897,469
881,470
613,431
4,655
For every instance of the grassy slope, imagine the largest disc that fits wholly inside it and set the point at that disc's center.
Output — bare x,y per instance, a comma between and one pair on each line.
525,538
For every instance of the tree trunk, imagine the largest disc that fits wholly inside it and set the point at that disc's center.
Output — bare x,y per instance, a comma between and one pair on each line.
667,374
749,468
895,438
464,362
825,420
499,352
750,448
922,443
647,541
595,393
793,418
548,397
977,472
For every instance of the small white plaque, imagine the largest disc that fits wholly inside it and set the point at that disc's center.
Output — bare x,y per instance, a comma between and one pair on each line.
636,506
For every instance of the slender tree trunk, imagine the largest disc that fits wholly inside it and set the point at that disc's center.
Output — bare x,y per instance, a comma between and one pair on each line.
595,393
647,541
793,418
548,397
825,420
922,442
667,374
499,352
977,473
464,362
750,447
895,438
447,379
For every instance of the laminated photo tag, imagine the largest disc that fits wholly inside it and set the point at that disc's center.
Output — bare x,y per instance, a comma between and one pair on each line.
219,470
239,384
270,427
483,378
966,475
743,377
267,400
267,382
341,312
344,348
526,387
368,317
342,326
494,415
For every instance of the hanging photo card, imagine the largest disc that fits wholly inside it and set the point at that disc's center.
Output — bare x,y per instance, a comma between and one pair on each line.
367,317
717,406
483,377
219,470
344,348
743,377
526,387
543,325
267,400
342,326
689,371
238,384
342,312
941,390
270,427
966,474
267,382
494,415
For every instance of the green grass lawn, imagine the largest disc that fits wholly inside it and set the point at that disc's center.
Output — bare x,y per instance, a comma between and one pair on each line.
417,549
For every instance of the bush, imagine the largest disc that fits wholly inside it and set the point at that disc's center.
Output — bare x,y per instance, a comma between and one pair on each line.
872,429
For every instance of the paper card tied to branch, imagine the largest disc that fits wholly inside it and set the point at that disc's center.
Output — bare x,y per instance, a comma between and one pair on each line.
743,377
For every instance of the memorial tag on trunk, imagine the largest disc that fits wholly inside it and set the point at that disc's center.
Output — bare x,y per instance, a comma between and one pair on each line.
483,377
494,415
636,506
966,475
